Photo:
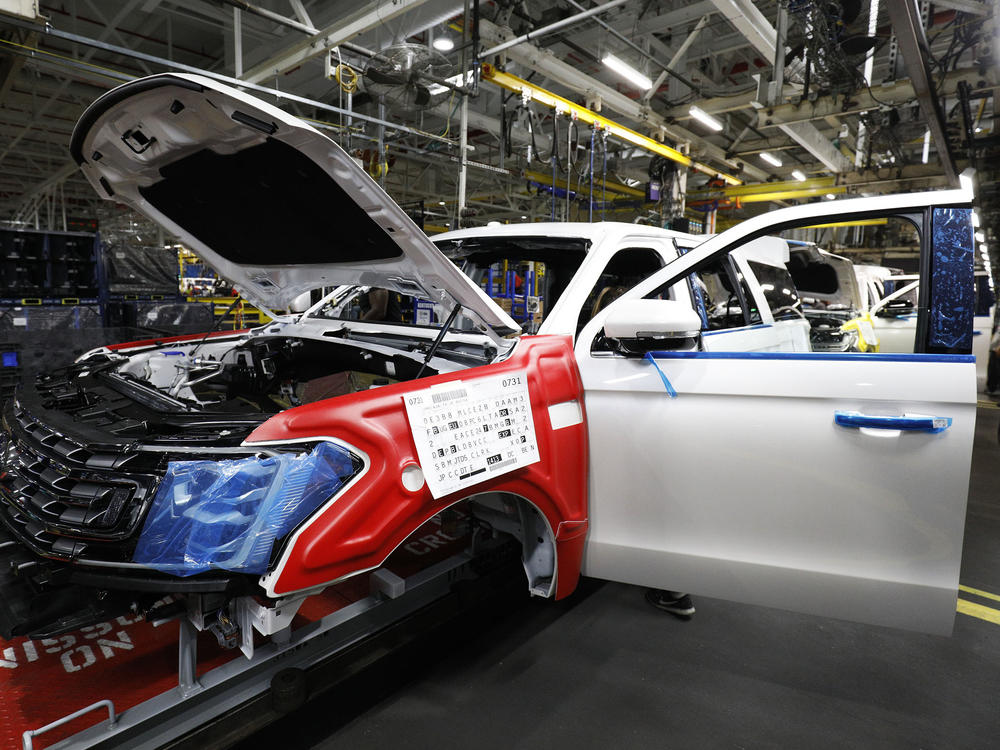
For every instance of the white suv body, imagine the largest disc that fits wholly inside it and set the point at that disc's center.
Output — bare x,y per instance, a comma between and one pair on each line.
687,438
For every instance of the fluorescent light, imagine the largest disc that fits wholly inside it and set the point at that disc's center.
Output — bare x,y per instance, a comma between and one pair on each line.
627,72
770,159
927,146
975,219
705,118
797,174
443,44
980,236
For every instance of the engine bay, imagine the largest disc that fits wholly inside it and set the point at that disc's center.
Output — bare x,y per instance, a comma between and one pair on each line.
265,375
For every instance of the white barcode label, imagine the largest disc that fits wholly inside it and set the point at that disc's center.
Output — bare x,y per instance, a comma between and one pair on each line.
440,398
473,430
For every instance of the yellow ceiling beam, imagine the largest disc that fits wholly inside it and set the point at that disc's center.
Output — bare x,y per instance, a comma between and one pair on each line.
566,107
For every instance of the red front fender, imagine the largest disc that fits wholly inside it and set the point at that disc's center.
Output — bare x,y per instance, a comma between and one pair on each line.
359,528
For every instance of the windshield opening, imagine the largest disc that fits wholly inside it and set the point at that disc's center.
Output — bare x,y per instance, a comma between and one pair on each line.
525,276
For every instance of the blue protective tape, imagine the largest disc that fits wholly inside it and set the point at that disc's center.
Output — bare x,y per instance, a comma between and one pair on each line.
921,424
827,356
953,301
663,376
227,514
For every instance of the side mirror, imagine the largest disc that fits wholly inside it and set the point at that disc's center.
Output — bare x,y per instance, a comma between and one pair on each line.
645,324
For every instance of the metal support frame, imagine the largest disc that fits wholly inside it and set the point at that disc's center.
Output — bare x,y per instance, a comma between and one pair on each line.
321,40
781,33
241,83
27,737
669,68
237,42
913,44
677,58
567,75
565,106
894,94
552,27
198,700
748,20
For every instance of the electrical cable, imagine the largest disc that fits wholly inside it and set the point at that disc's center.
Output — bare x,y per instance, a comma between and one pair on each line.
347,77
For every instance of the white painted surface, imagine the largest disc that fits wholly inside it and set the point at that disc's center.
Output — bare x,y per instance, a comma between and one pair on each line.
566,414
206,122
743,487
24,8
982,332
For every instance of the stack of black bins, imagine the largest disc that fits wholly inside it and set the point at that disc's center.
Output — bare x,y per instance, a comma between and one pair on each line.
64,500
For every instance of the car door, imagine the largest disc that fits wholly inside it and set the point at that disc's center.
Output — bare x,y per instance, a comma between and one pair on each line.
827,483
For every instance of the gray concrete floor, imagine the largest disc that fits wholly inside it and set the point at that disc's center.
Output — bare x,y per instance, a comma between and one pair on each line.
605,669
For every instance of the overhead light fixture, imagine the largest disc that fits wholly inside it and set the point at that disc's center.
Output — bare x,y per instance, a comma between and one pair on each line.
524,217
441,203
704,118
927,147
443,44
797,174
627,72
830,196
774,160
980,236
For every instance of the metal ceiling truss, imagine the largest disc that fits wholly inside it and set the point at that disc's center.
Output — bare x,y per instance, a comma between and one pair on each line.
689,48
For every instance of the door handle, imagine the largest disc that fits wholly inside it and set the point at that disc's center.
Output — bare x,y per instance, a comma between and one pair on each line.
917,422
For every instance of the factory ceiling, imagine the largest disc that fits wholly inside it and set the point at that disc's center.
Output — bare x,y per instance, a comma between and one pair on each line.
579,99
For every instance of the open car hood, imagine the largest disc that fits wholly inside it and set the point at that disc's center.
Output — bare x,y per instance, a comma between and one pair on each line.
275,206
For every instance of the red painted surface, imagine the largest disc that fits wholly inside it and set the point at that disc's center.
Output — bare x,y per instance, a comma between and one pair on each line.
129,661
173,339
373,517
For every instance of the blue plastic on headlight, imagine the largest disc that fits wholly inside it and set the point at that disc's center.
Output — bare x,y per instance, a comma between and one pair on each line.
227,514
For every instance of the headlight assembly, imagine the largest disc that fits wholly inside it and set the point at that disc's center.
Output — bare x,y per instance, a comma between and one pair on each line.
228,514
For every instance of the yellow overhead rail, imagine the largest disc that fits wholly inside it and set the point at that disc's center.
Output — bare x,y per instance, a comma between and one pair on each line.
565,106
772,191
739,191
781,195
855,223
618,190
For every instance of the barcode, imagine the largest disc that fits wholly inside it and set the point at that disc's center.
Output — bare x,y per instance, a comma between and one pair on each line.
500,465
440,398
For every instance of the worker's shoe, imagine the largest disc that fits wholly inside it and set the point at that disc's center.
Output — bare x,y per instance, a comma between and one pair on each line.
676,603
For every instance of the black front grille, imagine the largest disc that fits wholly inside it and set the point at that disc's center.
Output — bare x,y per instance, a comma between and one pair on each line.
65,500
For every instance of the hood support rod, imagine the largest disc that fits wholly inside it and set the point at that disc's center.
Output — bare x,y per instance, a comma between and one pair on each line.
438,340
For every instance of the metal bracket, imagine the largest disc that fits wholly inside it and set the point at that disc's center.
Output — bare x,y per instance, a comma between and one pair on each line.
250,616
